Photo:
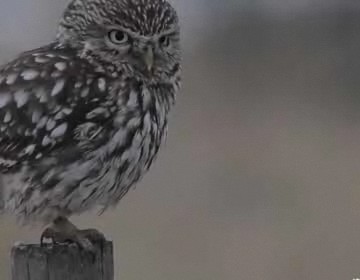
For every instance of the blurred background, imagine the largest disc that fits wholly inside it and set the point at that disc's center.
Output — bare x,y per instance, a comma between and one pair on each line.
260,176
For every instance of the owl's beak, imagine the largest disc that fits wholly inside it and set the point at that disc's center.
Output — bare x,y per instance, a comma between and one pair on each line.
148,58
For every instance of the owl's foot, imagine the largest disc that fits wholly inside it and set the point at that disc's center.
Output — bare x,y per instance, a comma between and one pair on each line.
62,231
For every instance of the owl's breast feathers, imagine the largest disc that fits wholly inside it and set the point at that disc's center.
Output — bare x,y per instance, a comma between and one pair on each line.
68,127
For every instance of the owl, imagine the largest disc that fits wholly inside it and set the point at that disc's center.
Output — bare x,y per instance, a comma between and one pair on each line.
82,118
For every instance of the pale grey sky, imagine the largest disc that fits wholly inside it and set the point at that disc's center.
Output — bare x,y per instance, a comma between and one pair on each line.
27,24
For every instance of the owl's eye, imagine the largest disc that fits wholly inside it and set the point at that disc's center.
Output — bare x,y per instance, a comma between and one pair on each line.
164,41
118,37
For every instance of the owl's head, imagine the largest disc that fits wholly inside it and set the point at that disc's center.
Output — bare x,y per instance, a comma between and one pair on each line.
141,36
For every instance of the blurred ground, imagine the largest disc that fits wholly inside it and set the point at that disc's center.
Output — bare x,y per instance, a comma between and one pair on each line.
260,177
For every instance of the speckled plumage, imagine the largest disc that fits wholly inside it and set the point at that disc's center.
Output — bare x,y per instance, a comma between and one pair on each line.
82,118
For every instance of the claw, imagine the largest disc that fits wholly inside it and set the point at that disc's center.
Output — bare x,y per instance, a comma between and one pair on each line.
62,231
48,233
93,235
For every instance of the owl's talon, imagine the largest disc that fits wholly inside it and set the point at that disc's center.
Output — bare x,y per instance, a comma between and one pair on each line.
63,231
84,242
93,235
48,233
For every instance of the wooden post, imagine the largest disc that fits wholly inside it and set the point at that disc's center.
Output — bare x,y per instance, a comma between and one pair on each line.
62,262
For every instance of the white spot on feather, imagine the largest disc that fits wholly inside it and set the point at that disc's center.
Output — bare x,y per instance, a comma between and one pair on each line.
67,111
50,124
56,74
59,115
36,116
58,87
46,141
30,149
42,95
7,117
5,98
102,84
11,78
29,74
7,162
85,92
21,98
59,131
42,122
41,59
61,66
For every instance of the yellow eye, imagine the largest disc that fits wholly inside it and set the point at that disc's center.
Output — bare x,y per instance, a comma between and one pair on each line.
118,37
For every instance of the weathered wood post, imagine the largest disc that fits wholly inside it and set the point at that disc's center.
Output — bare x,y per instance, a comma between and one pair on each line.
62,262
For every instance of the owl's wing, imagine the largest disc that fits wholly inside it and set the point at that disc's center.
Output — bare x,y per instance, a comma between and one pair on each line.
45,95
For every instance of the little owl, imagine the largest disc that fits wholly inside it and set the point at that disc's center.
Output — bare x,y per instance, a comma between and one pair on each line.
82,118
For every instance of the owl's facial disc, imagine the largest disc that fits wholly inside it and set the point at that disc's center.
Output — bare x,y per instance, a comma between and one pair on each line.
146,54
131,48
137,37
